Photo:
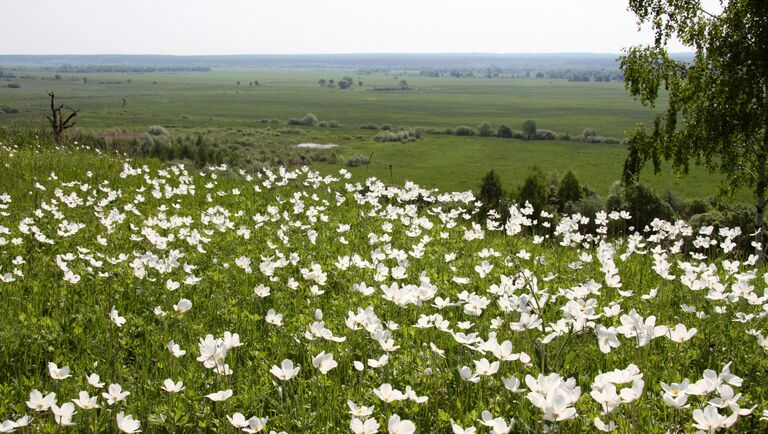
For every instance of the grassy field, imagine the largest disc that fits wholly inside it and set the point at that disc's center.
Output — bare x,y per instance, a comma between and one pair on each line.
142,296
212,102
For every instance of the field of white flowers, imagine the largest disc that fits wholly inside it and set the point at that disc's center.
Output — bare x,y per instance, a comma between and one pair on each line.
140,297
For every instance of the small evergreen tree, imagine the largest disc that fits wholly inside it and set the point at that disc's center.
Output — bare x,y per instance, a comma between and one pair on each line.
491,193
568,191
535,189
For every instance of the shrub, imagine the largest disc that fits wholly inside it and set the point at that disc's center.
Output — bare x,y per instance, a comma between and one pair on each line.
568,191
464,130
588,133
13,86
587,206
310,120
404,135
504,131
369,127
491,193
484,129
358,160
529,129
645,205
535,189
545,135
696,206
386,127
157,131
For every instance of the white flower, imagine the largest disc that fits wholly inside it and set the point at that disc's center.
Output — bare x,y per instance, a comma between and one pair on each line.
116,318
458,429
602,426
324,362
238,420
374,363
174,349
93,380
256,424
397,426
171,387
221,395
370,426
127,423
386,393
359,410
286,371
85,401
183,306
39,403
710,420
114,394
681,334
63,415
274,318
58,373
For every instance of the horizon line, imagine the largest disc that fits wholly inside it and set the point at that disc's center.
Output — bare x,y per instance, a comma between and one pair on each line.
382,53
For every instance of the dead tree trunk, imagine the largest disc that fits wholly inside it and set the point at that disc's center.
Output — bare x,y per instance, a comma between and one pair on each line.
57,120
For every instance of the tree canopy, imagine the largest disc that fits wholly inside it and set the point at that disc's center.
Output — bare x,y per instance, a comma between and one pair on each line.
717,110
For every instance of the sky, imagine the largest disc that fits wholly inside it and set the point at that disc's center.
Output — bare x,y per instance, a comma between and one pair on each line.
200,27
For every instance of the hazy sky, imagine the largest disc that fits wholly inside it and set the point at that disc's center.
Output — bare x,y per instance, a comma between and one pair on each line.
319,26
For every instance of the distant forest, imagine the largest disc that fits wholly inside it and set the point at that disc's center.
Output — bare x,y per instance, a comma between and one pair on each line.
152,63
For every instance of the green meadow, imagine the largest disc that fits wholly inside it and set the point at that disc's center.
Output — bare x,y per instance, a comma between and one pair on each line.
213,104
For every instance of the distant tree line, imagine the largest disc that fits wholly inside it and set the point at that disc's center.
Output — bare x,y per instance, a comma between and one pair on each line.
528,131
346,82
129,68
589,74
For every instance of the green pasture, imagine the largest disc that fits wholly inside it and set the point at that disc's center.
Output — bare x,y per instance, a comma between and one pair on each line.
212,103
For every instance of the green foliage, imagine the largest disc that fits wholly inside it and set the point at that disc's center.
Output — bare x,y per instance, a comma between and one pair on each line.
644,204
357,161
484,129
464,130
504,132
491,193
157,131
535,189
717,113
529,129
569,190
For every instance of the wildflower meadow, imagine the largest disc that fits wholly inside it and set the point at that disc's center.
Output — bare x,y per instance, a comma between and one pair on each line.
144,297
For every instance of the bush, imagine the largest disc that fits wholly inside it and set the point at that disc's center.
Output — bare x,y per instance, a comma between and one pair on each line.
587,206
404,135
491,193
696,206
157,131
545,135
386,127
484,129
529,129
310,120
568,191
535,189
358,160
369,127
588,133
464,130
645,205
504,131
13,86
